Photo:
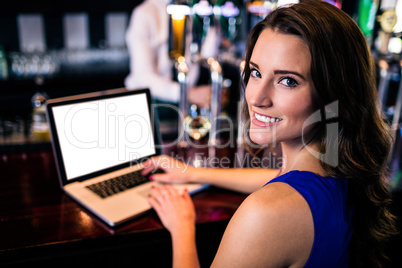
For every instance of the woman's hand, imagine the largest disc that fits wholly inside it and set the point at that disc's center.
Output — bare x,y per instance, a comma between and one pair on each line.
177,213
175,170
175,210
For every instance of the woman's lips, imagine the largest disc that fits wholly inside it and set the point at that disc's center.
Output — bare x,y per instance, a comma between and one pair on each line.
262,120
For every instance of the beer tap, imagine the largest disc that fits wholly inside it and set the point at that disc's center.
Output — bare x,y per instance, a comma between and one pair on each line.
183,104
216,99
177,42
385,76
199,124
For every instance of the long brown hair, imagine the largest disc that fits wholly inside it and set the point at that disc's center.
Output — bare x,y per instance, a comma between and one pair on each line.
343,71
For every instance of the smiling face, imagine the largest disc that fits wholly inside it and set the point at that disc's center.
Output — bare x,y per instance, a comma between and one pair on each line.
280,90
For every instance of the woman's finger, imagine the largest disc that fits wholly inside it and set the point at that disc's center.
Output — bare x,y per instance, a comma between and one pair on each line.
158,194
154,203
161,177
149,165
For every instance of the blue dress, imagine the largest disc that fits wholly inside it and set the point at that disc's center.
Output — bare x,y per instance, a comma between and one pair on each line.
326,197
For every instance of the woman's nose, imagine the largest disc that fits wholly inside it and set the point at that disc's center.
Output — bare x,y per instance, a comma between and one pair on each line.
259,96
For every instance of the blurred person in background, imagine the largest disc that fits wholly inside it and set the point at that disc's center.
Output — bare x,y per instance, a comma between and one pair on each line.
147,40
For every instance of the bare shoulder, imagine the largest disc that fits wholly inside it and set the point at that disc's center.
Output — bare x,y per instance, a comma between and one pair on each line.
272,228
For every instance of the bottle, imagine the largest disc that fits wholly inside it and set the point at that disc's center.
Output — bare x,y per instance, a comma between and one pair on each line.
40,126
202,19
229,17
258,10
3,64
366,18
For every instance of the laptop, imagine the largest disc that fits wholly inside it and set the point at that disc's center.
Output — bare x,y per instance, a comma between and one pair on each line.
100,141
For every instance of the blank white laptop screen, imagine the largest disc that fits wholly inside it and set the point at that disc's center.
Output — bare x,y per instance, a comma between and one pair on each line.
99,134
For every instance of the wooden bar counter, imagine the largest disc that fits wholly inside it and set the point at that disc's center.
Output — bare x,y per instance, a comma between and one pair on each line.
39,224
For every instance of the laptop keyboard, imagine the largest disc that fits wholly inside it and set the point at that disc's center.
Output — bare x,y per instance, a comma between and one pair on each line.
118,184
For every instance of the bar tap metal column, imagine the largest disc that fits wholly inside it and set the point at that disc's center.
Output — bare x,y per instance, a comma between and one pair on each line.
177,43
240,126
398,108
197,122
183,104
383,84
216,99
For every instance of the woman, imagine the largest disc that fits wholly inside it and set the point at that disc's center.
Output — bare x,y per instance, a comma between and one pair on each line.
310,86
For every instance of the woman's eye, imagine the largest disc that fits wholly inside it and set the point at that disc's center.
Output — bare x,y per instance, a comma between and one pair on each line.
289,82
255,73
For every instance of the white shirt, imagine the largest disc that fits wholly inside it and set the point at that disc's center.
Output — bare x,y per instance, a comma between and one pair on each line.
147,39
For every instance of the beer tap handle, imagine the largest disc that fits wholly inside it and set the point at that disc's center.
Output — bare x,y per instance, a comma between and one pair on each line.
216,99
383,84
183,103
